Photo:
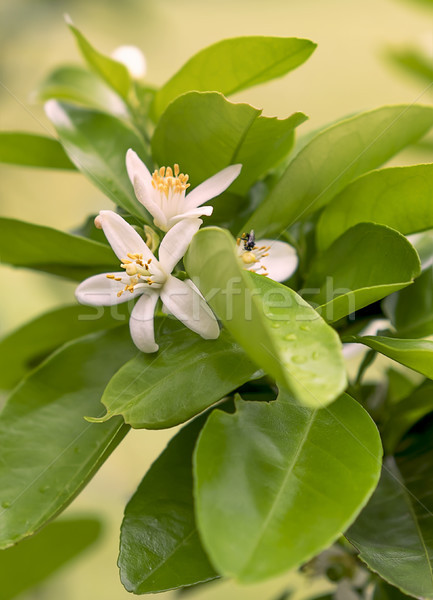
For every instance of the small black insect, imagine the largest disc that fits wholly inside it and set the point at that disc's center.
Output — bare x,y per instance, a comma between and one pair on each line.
249,240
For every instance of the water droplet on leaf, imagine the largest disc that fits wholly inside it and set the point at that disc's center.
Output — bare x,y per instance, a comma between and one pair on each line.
299,359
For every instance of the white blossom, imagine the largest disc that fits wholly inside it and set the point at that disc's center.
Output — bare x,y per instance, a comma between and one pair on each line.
163,193
273,258
147,278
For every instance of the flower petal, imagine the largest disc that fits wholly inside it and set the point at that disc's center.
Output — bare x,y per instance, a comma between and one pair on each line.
282,261
176,241
141,179
122,237
189,307
101,291
214,186
133,59
190,214
141,322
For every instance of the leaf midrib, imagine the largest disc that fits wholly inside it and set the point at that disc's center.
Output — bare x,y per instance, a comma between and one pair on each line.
282,487
395,472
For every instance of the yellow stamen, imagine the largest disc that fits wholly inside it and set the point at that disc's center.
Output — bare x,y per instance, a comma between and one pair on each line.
109,276
249,258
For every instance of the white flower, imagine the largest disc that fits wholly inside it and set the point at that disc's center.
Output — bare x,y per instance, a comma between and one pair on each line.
133,59
277,260
163,193
145,276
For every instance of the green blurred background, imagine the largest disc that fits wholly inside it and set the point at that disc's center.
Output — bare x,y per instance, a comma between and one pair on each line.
347,73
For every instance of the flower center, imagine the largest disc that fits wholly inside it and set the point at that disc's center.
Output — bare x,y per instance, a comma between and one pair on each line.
251,254
140,274
168,183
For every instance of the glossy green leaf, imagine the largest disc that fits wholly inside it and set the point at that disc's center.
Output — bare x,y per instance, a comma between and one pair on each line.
30,563
156,392
26,347
300,477
267,143
365,264
49,451
78,85
45,249
400,197
384,591
160,548
405,414
275,326
411,310
219,128
415,354
114,73
247,61
97,144
394,532
335,157
224,133
31,150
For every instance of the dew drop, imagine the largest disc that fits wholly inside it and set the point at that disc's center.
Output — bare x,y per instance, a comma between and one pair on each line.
290,337
299,359
44,489
304,328
5,504
275,325
316,355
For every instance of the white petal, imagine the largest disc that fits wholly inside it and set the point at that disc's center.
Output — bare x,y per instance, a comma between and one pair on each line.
175,243
133,59
101,291
141,322
282,261
191,214
122,237
190,308
214,186
141,179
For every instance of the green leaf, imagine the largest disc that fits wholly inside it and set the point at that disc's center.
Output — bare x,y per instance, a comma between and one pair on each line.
30,150
203,132
411,310
405,414
113,72
275,326
412,62
45,249
300,478
97,144
333,158
78,85
364,265
394,532
156,392
224,133
400,197
160,548
30,563
26,347
384,591
49,451
232,65
415,354
266,144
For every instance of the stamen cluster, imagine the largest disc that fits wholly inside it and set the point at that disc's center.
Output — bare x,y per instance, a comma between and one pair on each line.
164,181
